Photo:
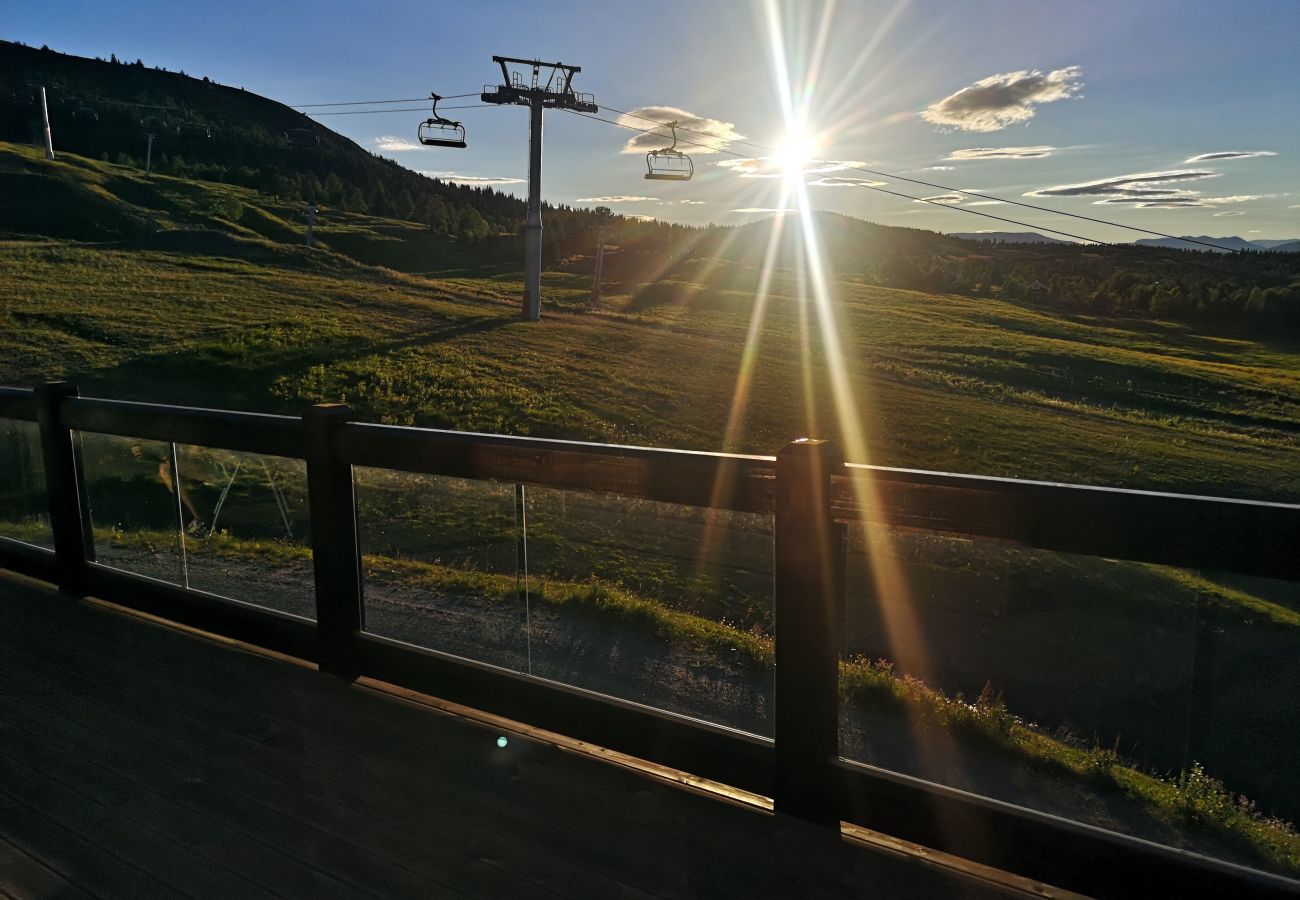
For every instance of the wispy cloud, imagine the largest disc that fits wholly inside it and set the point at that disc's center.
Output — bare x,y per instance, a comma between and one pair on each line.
950,199
473,180
940,168
993,103
775,167
619,198
988,203
394,144
684,202
1236,198
1143,190
1222,214
1229,154
1001,153
697,134
841,181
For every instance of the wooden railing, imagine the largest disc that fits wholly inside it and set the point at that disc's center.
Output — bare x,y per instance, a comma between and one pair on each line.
812,495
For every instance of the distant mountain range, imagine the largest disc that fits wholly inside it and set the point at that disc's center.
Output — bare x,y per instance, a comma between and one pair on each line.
1225,244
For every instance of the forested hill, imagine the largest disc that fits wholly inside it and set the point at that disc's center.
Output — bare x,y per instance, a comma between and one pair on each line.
103,110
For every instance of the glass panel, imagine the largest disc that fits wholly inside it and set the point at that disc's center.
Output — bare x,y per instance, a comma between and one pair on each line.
439,563
24,511
247,527
1144,699
658,603
132,505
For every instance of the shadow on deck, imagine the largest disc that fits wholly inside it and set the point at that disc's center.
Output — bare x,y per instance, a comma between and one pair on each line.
141,760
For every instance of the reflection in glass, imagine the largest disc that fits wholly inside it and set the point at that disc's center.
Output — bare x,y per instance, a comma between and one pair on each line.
24,511
246,527
1078,686
131,491
442,564
658,603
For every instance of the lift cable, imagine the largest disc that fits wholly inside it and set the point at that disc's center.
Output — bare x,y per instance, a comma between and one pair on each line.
929,184
404,109
379,102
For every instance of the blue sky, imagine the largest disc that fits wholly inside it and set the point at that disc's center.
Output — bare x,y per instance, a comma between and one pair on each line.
1111,90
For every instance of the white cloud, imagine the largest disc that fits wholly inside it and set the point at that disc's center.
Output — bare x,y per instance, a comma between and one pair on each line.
1222,214
1236,198
684,202
1001,153
940,168
638,217
841,181
949,199
1142,190
619,198
775,167
696,135
472,180
394,144
988,203
1229,154
993,103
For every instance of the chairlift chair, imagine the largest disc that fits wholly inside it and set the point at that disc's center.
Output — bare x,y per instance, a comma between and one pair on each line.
154,124
437,131
669,164
85,114
193,129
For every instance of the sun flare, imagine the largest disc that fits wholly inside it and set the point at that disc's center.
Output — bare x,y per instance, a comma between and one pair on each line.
797,150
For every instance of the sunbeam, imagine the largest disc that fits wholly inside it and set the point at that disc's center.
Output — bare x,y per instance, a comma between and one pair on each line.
904,636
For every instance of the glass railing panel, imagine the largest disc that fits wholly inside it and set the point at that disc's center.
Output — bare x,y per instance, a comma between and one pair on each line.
24,510
439,563
658,603
247,527
1154,701
130,487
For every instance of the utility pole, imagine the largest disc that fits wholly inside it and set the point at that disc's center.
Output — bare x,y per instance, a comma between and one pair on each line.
148,154
311,221
600,265
45,114
556,93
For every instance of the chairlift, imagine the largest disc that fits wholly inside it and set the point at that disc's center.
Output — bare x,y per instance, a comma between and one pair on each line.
154,124
669,164
439,132
85,114
301,139
193,129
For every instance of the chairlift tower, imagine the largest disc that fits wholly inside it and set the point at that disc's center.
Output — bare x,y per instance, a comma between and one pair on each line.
556,92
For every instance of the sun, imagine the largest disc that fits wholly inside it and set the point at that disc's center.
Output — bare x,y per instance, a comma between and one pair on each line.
797,150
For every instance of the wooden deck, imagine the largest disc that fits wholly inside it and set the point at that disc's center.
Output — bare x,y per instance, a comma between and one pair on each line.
139,760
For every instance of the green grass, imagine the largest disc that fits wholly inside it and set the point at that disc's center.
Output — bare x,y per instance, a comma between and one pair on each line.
201,309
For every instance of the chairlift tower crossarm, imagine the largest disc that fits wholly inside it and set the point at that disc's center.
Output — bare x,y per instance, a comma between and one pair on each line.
556,93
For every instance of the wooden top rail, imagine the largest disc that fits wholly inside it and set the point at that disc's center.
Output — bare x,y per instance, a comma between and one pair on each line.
1245,536
249,432
722,481
17,403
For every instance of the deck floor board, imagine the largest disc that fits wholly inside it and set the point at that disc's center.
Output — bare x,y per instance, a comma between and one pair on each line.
139,760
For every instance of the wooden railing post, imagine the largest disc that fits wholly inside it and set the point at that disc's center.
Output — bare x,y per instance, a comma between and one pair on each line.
65,488
809,589
336,553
